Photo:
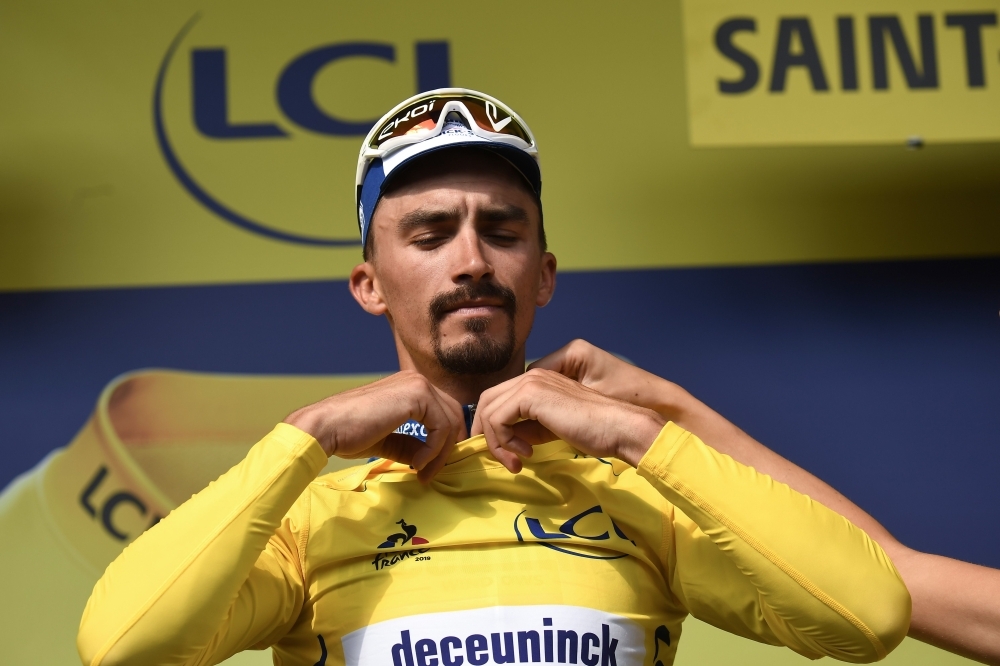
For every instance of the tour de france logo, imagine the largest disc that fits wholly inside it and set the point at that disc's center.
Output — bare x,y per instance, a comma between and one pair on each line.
406,536
302,119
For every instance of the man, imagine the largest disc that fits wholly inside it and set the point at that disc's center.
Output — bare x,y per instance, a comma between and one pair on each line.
617,524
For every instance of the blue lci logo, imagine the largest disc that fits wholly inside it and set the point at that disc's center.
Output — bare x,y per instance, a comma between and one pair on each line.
590,525
297,103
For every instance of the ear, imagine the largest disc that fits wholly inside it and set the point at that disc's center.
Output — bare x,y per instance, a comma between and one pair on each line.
364,287
546,280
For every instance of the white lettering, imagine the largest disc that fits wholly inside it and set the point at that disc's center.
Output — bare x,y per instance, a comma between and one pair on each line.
405,116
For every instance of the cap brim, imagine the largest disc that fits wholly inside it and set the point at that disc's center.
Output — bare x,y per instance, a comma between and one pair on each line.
524,163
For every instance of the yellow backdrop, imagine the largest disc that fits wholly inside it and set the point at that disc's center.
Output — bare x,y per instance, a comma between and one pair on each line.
87,197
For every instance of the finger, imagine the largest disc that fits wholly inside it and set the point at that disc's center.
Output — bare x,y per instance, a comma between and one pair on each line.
508,457
477,423
556,361
533,433
437,463
504,412
509,460
519,404
527,435
486,398
441,428
456,415
398,447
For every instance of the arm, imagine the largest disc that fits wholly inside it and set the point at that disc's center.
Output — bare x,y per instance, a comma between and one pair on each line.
223,572
954,603
817,583
213,577
796,572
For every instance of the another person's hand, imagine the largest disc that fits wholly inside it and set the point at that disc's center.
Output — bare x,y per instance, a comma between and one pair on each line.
542,405
359,423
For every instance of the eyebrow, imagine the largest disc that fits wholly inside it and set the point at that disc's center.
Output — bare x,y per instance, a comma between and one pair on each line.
504,213
429,216
426,216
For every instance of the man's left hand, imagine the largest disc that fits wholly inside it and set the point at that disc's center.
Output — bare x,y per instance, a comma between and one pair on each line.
542,405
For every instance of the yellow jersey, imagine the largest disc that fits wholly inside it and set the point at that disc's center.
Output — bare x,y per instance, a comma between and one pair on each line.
576,560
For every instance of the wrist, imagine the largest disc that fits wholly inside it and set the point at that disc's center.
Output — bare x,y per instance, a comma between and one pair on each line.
643,431
671,401
309,420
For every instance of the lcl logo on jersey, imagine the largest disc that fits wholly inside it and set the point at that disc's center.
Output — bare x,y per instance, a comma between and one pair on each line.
303,118
590,525
105,505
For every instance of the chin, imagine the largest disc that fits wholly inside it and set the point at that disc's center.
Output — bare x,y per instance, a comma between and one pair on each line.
477,353
494,327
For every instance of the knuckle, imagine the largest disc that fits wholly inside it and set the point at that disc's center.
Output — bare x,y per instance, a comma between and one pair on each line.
414,379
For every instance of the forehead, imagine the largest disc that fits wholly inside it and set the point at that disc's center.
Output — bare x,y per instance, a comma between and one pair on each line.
448,174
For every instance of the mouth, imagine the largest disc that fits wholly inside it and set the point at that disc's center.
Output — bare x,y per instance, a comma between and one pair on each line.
479,307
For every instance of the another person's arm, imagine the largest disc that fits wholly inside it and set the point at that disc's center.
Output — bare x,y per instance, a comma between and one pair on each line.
955,604
749,554
222,573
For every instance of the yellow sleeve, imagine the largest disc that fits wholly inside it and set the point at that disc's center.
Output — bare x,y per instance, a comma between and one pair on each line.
220,574
754,557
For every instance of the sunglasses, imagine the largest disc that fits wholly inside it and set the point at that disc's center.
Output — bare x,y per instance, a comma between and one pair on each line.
422,118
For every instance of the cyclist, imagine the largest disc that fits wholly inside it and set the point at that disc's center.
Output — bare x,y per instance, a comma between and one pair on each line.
616,524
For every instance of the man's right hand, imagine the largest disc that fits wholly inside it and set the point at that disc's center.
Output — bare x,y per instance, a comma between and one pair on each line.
359,423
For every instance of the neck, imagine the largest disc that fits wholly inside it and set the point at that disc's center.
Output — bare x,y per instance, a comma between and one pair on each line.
465,389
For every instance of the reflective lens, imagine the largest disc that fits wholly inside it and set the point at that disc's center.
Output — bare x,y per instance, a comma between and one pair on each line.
423,117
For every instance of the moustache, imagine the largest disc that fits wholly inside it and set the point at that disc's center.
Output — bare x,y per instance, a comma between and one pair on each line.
444,303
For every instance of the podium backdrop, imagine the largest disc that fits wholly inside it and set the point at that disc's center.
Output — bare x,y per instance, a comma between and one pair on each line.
790,209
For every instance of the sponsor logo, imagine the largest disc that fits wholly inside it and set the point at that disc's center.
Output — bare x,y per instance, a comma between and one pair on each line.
303,120
795,49
662,635
323,652
418,430
413,429
828,72
407,535
492,114
108,506
418,110
592,525
500,635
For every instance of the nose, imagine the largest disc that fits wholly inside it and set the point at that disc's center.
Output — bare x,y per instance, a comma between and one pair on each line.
471,262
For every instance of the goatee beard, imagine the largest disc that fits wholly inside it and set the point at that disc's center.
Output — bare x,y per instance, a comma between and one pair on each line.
481,354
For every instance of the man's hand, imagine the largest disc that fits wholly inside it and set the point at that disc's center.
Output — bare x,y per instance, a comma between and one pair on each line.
597,369
542,405
359,423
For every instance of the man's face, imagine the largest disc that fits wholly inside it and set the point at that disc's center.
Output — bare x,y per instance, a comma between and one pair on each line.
457,263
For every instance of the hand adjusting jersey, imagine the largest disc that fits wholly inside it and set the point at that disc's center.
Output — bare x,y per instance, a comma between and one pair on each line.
576,560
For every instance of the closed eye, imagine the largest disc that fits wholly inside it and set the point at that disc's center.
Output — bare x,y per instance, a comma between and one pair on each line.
429,241
503,238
